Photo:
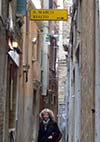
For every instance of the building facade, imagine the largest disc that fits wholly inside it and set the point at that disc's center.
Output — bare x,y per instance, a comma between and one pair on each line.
10,26
28,73
30,79
82,45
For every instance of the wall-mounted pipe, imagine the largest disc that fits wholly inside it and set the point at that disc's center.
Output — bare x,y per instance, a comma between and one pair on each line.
97,70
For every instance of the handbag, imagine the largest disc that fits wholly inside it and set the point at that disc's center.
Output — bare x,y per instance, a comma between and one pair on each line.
59,136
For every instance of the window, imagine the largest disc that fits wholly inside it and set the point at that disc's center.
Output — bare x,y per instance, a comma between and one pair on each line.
50,4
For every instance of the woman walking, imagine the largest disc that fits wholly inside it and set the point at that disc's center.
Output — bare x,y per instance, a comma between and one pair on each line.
48,128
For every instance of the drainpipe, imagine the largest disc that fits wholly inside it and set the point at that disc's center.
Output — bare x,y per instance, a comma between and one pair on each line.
67,98
25,64
97,71
45,64
5,100
71,100
77,102
17,104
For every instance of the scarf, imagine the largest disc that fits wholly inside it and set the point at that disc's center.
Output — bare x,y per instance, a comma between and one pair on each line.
45,123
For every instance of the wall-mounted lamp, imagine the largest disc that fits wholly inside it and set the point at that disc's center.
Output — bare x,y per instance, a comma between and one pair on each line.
16,47
34,40
15,44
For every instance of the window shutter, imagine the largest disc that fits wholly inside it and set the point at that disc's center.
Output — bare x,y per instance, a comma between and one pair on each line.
21,7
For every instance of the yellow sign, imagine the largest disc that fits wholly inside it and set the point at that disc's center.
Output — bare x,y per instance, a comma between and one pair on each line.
49,14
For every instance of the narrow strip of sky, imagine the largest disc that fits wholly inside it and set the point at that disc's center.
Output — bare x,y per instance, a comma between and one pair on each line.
37,4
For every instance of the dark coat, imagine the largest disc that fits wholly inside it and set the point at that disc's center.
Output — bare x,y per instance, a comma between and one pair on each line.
52,130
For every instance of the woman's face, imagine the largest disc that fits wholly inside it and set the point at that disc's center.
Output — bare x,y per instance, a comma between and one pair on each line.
45,116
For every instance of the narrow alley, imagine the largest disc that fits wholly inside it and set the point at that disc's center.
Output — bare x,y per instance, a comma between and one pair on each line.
49,70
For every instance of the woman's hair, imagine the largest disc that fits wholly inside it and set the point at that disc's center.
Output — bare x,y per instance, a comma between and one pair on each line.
50,112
